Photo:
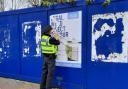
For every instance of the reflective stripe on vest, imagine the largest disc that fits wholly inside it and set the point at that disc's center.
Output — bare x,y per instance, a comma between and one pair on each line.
46,46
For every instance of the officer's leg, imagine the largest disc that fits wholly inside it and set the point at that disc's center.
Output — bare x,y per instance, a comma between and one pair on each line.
44,74
51,67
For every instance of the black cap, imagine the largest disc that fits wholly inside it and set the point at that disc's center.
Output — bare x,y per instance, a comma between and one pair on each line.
47,29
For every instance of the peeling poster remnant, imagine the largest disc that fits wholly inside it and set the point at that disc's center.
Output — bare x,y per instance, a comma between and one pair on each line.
4,43
110,37
31,37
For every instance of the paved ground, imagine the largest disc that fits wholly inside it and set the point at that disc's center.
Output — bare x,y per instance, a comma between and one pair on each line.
6,83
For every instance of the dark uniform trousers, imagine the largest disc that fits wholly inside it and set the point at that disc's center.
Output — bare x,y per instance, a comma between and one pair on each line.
47,74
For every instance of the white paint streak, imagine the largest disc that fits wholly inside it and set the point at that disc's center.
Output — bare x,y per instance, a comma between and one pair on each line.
38,39
113,57
5,41
26,50
0,49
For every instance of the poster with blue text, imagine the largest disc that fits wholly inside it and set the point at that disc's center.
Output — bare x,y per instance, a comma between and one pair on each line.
69,27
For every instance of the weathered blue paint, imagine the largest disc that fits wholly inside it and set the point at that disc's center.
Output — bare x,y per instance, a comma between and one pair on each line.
9,63
31,61
12,63
104,41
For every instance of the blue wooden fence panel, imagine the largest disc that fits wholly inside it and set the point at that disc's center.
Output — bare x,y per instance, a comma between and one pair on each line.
66,76
107,61
9,62
31,25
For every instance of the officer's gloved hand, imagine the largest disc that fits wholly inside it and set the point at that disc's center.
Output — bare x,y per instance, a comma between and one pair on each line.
56,36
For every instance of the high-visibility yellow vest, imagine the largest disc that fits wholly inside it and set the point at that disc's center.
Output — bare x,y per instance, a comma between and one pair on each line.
47,47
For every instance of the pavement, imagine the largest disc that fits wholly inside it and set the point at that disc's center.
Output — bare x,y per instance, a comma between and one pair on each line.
6,83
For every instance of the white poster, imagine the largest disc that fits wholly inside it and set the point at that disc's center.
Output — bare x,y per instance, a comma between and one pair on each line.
69,27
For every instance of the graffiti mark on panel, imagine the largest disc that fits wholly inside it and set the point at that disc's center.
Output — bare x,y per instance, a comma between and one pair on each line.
31,37
109,37
4,43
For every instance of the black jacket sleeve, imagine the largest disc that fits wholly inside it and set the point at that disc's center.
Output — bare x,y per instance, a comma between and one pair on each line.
52,40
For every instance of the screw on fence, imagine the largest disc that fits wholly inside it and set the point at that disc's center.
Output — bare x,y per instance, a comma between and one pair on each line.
59,80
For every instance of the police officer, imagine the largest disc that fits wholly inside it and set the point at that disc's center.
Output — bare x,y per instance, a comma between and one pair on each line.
49,46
